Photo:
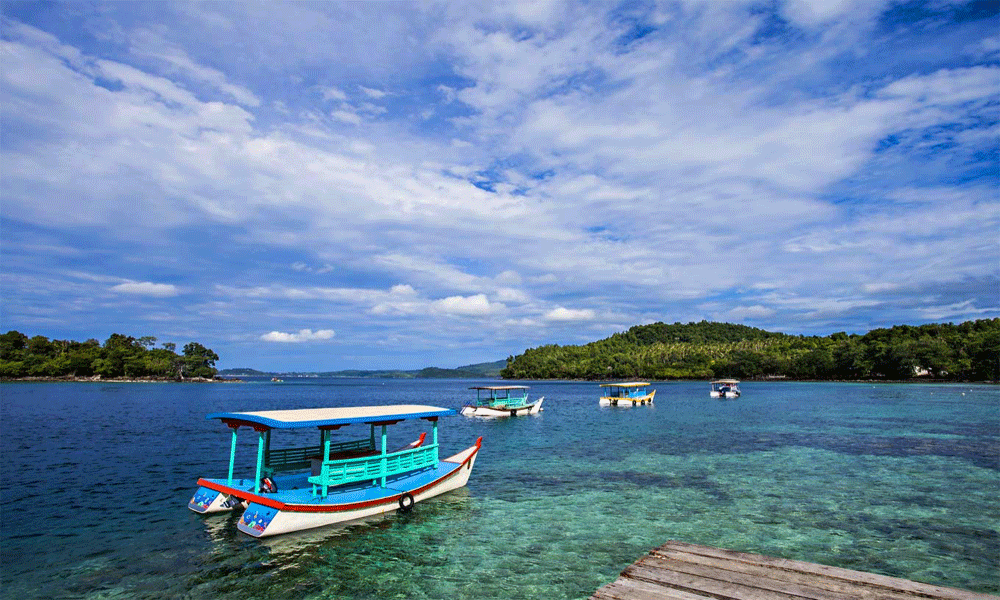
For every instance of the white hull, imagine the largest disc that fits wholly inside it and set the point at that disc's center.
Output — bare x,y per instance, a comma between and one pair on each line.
286,521
485,411
623,402
724,394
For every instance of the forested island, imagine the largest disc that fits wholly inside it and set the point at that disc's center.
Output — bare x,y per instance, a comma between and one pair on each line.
120,357
968,351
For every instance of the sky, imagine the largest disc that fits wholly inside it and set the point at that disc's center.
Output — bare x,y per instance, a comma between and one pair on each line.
317,186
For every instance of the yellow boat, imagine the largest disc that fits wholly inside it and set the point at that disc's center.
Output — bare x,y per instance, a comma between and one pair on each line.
629,393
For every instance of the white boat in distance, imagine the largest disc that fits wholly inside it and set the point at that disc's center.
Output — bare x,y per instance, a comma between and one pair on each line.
725,388
629,393
501,401
301,488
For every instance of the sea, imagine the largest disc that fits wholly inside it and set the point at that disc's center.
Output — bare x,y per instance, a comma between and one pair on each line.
897,479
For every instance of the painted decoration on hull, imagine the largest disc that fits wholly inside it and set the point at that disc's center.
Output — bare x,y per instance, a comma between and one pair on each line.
203,499
256,518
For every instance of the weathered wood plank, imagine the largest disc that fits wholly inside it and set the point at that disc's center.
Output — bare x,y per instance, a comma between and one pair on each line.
629,589
723,589
681,571
924,590
837,586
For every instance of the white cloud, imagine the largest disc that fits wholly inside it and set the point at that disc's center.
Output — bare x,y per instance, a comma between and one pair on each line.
372,93
303,335
570,314
512,295
330,93
346,116
147,288
148,44
477,305
403,289
813,13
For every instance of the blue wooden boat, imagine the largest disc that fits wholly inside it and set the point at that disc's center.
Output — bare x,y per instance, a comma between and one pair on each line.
626,394
333,482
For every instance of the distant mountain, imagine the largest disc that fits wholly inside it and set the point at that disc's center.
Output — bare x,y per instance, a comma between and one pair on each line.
490,369
476,371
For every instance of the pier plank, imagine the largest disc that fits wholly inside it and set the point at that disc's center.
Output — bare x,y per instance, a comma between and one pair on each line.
837,587
921,590
628,589
682,571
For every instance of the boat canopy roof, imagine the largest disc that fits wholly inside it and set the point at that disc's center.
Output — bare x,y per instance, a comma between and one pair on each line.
727,381
627,384
346,415
499,387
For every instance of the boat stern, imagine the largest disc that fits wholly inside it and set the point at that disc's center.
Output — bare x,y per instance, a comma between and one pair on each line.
256,519
206,500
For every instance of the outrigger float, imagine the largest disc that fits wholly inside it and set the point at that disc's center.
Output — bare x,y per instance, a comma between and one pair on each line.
629,393
502,401
302,488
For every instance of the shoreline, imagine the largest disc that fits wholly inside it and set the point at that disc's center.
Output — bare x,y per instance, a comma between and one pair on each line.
99,379
217,379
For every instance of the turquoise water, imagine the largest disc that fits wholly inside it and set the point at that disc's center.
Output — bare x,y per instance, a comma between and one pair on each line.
902,480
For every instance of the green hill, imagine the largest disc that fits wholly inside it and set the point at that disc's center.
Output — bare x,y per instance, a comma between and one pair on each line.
968,351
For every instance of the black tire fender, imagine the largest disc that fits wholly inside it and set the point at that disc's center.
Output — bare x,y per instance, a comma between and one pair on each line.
406,503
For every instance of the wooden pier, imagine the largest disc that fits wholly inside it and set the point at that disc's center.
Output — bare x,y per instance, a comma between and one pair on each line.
679,571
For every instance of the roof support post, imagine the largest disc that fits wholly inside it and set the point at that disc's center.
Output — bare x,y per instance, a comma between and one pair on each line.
434,428
260,460
385,461
232,458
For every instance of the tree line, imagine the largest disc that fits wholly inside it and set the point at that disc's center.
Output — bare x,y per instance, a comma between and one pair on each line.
119,357
968,351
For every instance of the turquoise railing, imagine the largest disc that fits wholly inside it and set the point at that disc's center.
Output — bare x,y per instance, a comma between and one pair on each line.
508,402
372,468
292,459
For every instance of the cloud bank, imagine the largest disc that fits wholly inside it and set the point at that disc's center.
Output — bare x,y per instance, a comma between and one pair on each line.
499,176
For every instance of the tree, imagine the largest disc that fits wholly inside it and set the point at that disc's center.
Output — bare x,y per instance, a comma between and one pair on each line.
12,345
199,361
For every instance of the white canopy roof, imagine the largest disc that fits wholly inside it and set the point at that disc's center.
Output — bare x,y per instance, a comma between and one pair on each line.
346,415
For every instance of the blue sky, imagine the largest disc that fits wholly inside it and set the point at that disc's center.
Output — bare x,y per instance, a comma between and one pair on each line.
317,186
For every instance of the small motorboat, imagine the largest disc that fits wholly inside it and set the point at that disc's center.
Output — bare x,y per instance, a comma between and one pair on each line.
502,401
725,388
628,393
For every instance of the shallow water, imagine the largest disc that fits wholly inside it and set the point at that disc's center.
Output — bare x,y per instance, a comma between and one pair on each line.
895,479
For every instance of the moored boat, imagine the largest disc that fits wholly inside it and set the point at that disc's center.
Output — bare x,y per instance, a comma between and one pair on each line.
333,482
725,388
628,393
502,401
